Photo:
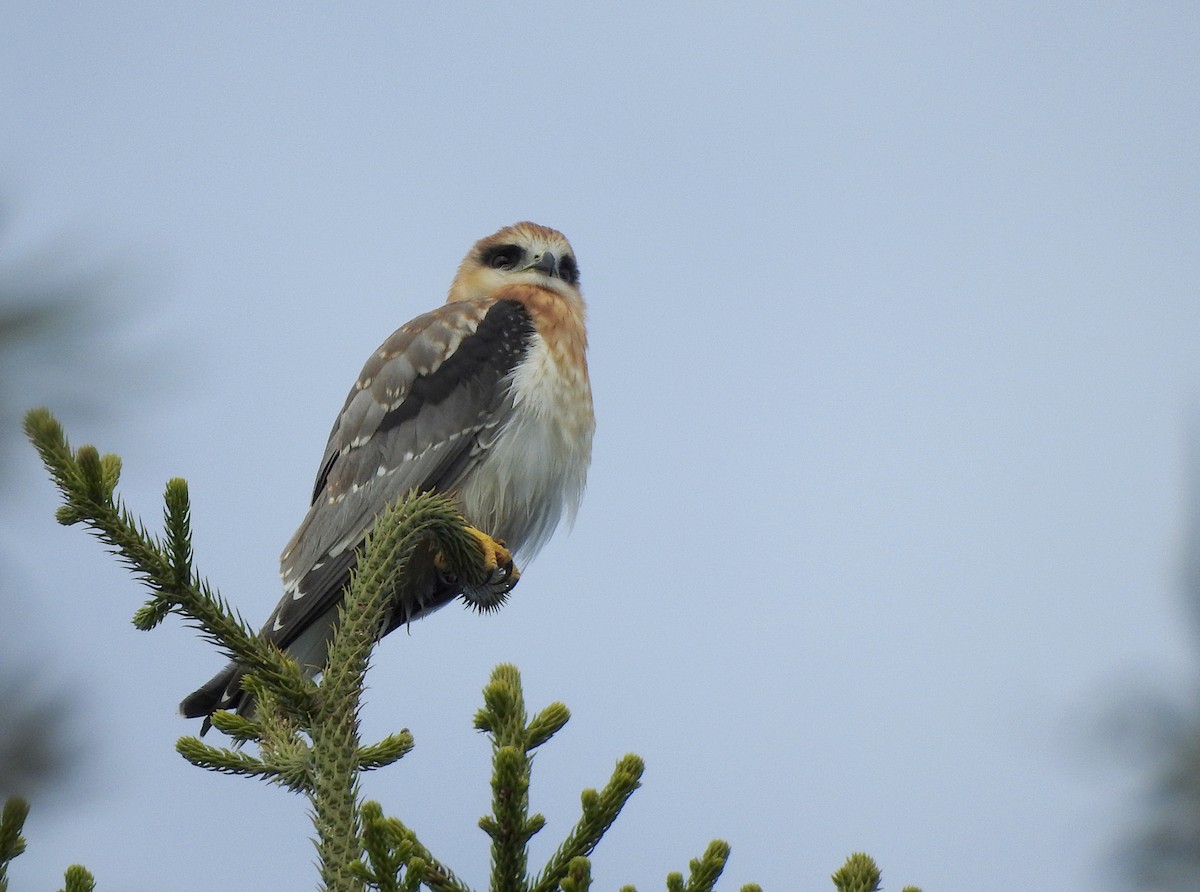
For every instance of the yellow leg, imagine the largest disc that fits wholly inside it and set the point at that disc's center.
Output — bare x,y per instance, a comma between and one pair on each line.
501,574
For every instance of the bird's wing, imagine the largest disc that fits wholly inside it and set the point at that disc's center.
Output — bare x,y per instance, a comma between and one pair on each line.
423,411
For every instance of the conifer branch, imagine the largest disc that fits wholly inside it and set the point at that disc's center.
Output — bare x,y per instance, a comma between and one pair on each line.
391,749
396,862
858,874
545,725
578,877
386,848
308,733
437,877
599,812
703,872
78,879
381,574
422,866
240,728
290,705
12,843
88,483
290,771
510,825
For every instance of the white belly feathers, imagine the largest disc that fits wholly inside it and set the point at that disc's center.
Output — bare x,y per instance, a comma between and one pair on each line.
537,467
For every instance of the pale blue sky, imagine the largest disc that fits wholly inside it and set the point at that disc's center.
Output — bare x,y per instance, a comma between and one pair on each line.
894,316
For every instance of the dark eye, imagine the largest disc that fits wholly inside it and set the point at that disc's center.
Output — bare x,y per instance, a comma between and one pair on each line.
568,271
503,257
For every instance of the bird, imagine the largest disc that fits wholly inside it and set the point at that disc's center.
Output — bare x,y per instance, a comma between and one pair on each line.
485,399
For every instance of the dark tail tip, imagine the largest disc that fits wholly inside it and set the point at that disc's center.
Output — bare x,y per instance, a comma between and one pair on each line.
222,691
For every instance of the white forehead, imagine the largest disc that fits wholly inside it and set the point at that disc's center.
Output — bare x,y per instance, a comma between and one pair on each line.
532,237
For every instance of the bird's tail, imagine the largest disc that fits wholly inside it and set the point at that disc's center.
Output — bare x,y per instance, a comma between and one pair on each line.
222,691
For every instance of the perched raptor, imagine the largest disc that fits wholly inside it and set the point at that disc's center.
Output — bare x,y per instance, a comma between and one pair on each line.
485,399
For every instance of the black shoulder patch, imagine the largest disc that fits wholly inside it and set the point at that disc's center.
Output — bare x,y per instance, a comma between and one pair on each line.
322,478
481,361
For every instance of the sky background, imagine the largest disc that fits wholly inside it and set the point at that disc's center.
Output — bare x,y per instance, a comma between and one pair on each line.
893,314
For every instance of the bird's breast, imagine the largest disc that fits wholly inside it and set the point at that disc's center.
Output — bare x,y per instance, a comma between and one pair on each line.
533,473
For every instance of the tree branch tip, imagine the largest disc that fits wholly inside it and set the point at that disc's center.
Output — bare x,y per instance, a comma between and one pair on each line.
12,821
633,763
860,873
236,726
40,424
483,721
200,753
371,810
506,673
78,879
16,809
151,614
68,515
546,724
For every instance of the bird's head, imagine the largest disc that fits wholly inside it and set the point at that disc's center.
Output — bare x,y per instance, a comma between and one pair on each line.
521,254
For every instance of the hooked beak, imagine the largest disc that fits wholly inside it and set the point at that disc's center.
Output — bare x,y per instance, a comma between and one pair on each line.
546,263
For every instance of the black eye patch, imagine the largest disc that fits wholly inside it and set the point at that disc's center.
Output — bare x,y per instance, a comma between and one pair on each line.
504,256
567,270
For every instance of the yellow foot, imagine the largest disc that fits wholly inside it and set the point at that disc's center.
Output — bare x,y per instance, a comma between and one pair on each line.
499,572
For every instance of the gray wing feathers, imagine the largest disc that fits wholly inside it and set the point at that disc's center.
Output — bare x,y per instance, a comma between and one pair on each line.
425,408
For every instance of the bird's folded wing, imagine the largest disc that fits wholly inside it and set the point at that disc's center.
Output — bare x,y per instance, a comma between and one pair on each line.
420,417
